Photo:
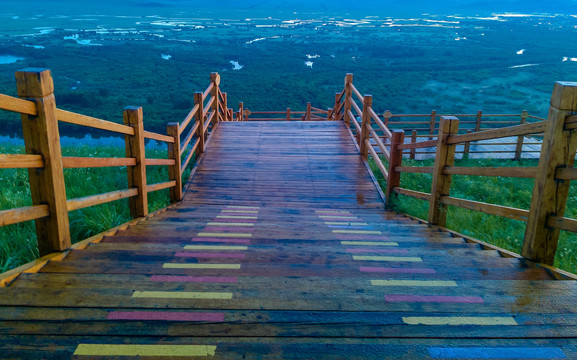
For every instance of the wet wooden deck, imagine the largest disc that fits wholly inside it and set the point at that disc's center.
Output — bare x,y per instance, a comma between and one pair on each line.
282,249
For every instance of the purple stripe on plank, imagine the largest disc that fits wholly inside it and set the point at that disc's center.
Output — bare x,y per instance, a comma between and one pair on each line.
226,220
434,299
397,270
380,251
165,315
199,279
210,255
223,240
362,237
233,229
347,219
237,213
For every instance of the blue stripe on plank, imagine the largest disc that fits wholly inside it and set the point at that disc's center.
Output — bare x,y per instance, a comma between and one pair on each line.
497,352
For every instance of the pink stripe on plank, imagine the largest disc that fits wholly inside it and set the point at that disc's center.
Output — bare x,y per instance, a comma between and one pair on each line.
362,237
210,255
380,251
223,240
199,279
397,270
227,220
165,315
434,298
233,229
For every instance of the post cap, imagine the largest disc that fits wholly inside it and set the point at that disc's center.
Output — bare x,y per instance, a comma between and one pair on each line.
564,96
34,82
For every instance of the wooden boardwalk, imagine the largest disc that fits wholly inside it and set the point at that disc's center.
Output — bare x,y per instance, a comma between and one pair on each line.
282,249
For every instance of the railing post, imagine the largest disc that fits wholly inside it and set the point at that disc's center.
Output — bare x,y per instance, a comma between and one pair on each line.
308,114
467,147
387,116
175,171
199,116
225,107
215,80
288,114
348,95
41,137
394,179
445,156
241,111
550,194
135,149
365,126
521,138
433,121
478,123
413,140
336,114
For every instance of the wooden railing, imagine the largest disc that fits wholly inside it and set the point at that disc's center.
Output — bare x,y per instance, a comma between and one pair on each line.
310,114
545,217
45,162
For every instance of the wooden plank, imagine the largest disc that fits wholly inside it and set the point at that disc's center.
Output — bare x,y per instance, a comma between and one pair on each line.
160,162
17,105
550,194
41,137
504,211
444,157
517,172
135,149
14,216
70,162
566,174
21,161
83,120
160,186
412,193
562,223
158,137
517,130
84,202
415,169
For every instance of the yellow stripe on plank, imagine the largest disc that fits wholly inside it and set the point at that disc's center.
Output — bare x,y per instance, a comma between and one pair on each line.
387,258
215,247
370,243
227,235
346,223
460,320
229,224
412,283
201,266
366,232
241,211
237,217
182,295
144,350
242,207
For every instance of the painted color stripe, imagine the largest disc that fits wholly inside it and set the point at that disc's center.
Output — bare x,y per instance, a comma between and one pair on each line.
242,207
199,279
210,255
387,258
234,241
370,243
333,217
226,228
365,232
360,237
413,283
201,266
235,221
378,251
217,235
497,352
144,350
165,315
332,211
397,270
460,320
241,211
351,227
434,299
215,247
182,295
236,217
229,224
346,223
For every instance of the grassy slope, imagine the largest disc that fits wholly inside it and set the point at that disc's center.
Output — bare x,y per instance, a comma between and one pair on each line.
18,242
505,233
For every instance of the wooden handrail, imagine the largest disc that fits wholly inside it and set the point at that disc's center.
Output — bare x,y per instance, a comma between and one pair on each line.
83,120
357,93
21,161
355,122
516,172
160,162
503,211
17,105
207,91
84,202
189,137
517,130
357,108
415,169
208,107
160,186
562,223
190,154
71,162
188,118
14,216
419,145
158,137
377,160
382,126
412,193
380,144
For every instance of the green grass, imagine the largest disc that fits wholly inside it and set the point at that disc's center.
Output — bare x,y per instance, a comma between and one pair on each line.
496,230
18,243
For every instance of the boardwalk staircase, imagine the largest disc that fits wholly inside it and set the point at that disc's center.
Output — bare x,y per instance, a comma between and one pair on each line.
280,245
